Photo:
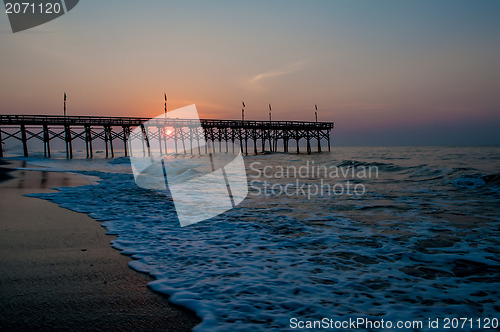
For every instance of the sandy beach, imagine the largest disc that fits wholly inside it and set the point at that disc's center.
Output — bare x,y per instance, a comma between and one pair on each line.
59,271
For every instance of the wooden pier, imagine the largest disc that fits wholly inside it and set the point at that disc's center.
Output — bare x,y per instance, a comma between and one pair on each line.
116,130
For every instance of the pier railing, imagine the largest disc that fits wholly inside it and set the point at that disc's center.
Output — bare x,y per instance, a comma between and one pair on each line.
89,128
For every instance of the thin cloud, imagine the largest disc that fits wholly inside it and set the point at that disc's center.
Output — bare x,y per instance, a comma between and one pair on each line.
364,106
278,72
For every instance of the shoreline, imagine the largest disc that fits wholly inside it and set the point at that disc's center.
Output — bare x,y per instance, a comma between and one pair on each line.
60,272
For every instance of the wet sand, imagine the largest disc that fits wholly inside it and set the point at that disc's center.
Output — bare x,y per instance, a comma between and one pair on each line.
59,271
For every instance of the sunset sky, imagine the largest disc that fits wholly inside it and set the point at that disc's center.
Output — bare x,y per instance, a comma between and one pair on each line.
386,72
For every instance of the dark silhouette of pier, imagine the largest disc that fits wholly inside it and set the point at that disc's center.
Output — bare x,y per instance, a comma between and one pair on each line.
112,130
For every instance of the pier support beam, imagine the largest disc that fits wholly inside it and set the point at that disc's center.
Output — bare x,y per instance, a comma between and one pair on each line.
1,143
191,140
226,137
255,141
126,133
240,138
88,142
46,141
232,139
270,137
111,143
165,141
175,139
308,143
67,139
108,138
184,143
285,141
145,139
319,141
24,140
161,133
197,132
205,136
275,141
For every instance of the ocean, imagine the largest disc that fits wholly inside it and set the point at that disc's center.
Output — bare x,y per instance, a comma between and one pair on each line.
382,235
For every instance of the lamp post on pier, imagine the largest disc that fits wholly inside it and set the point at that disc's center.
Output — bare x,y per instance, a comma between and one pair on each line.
165,95
243,111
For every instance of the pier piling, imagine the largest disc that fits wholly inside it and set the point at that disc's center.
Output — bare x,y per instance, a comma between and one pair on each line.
24,139
46,141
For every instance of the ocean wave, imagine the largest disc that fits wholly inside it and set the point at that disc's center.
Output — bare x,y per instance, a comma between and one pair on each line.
469,181
393,253
492,180
388,167
120,160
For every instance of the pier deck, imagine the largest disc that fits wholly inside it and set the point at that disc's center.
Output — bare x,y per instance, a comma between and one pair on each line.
269,134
